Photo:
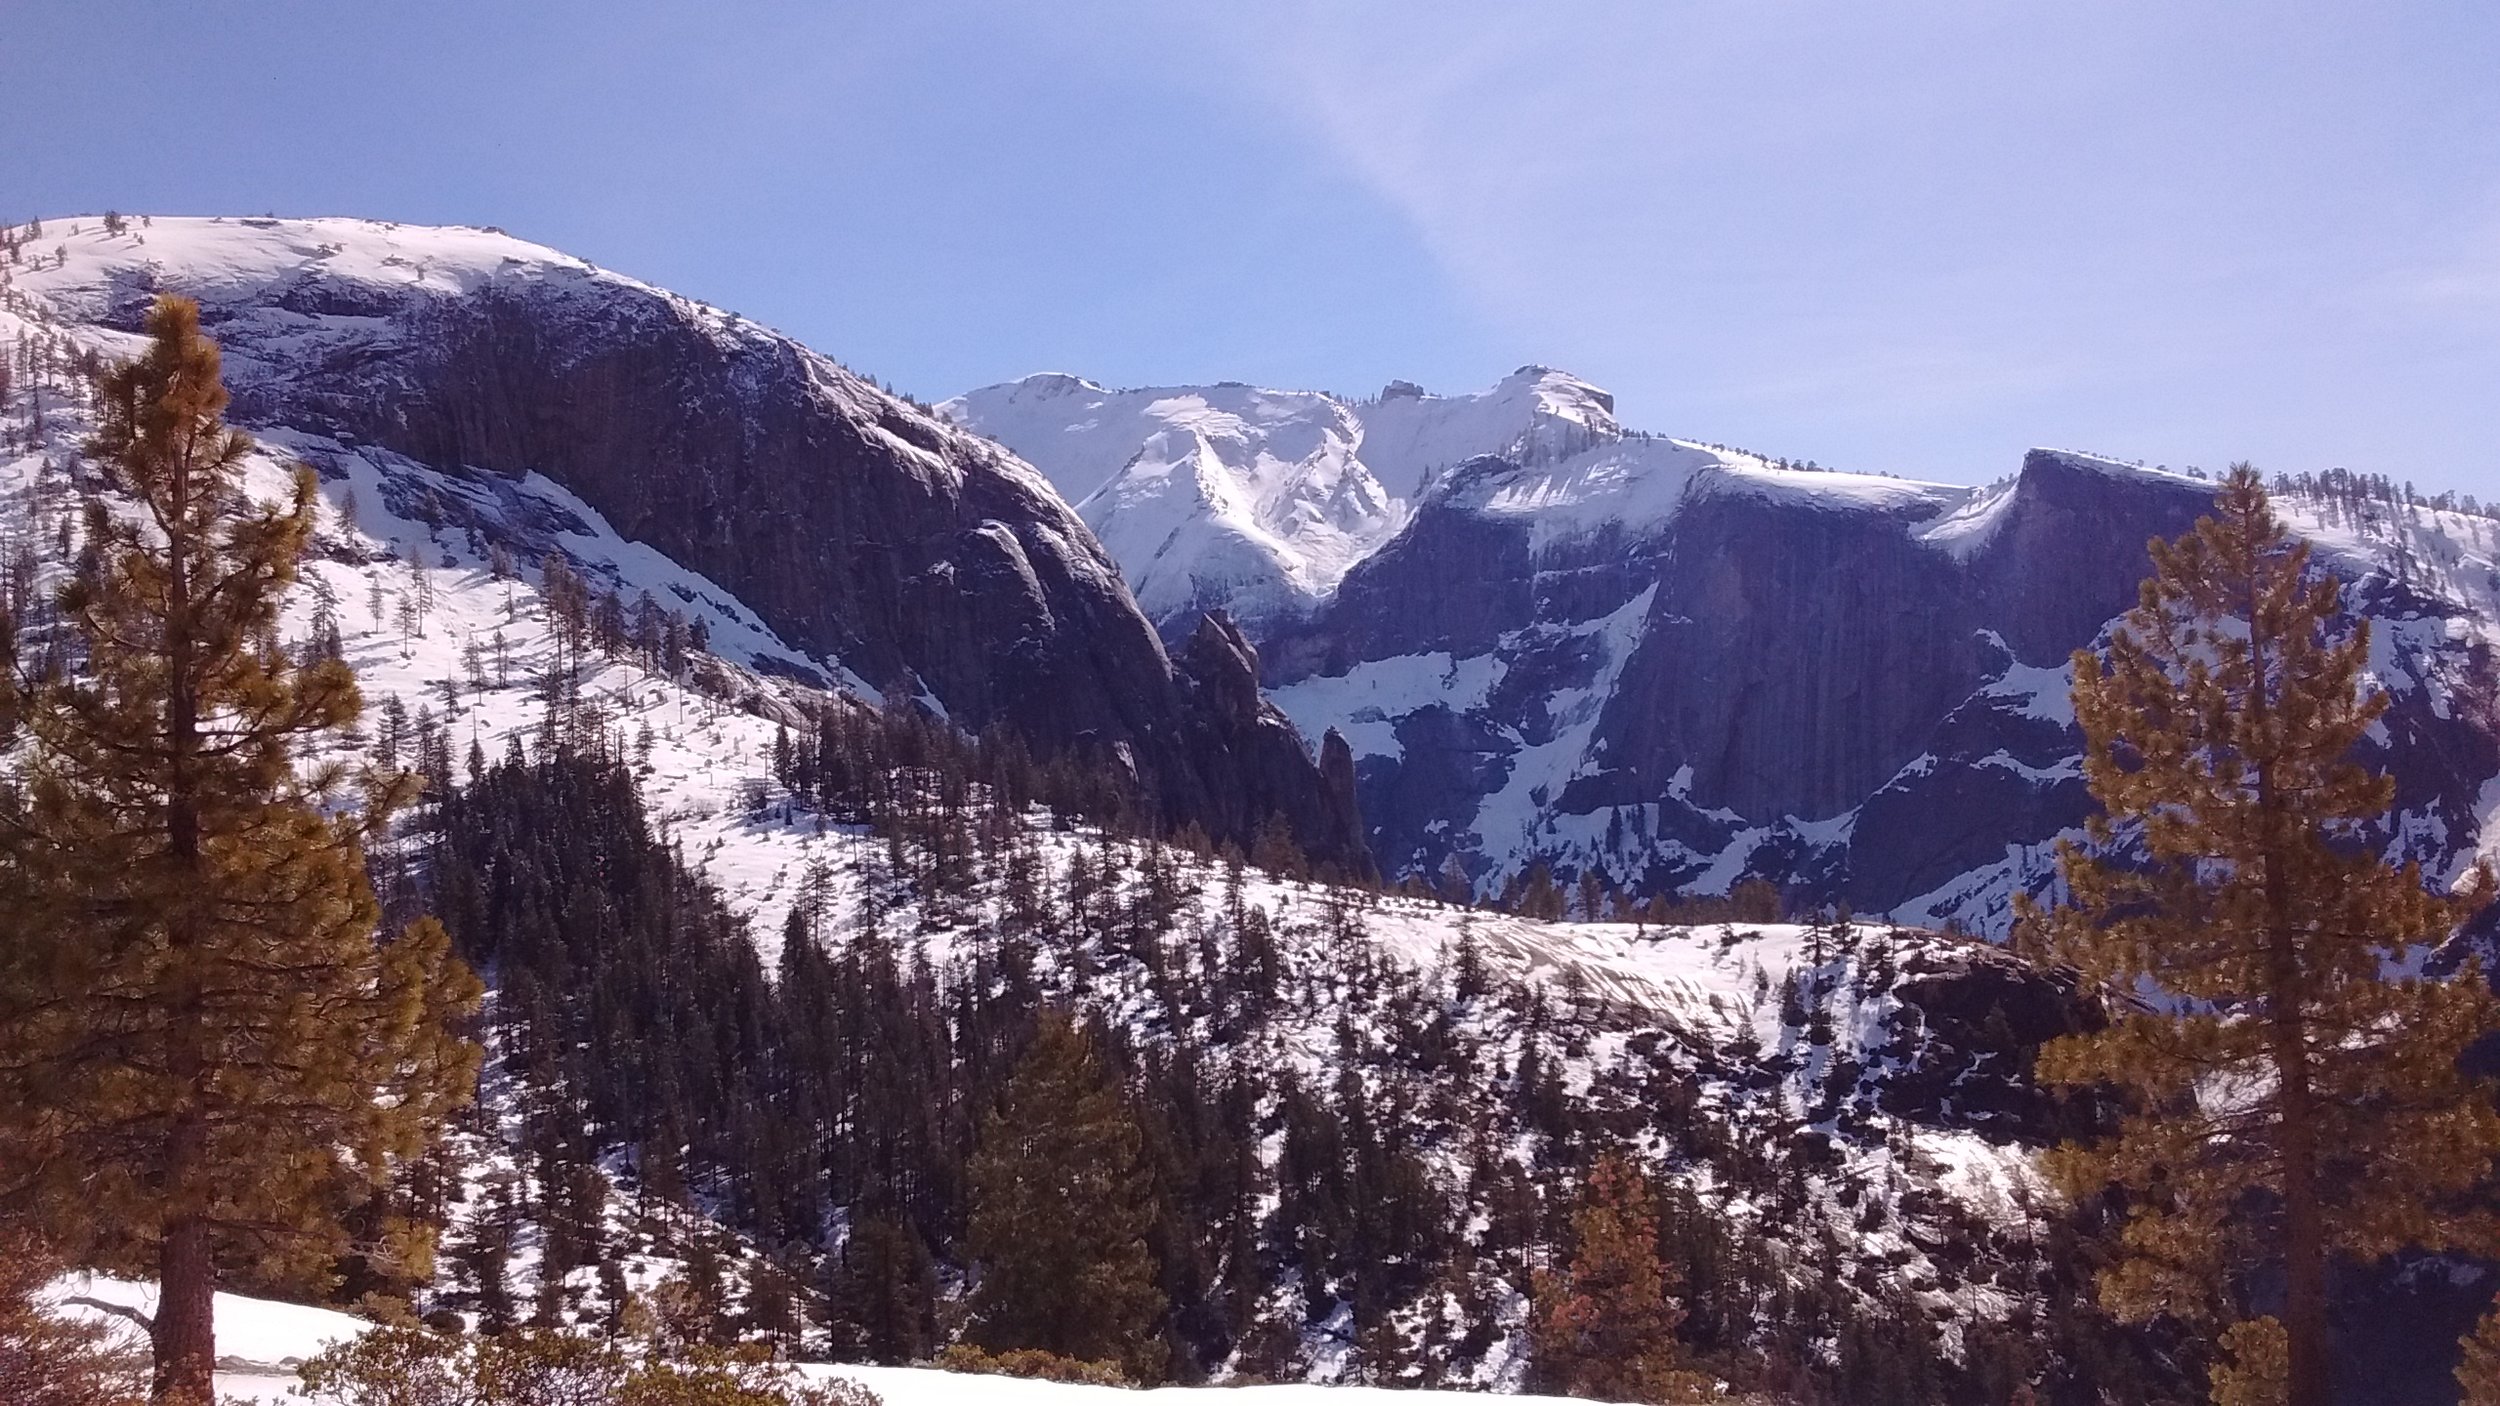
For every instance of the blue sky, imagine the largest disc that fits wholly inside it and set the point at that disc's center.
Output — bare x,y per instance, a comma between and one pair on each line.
1913,236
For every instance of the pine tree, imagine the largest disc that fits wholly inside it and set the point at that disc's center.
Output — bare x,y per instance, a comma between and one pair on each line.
1060,1211
1274,849
2299,1055
1605,1327
885,1291
1538,897
204,1052
2478,1369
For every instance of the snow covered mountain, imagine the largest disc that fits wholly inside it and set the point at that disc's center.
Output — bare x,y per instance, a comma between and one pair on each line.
1542,635
1229,497
842,536
1658,661
1257,502
437,587
1677,665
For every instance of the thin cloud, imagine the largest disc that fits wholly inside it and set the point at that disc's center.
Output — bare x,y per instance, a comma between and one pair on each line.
2465,281
1932,226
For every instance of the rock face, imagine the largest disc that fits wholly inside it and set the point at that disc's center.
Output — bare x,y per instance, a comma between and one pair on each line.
1682,665
1796,655
1256,744
1963,1047
1803,653
870,535
1860,696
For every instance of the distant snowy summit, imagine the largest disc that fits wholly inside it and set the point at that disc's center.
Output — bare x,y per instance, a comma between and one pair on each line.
1229,496
1259,501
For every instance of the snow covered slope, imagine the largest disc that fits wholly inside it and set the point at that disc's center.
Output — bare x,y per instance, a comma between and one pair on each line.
259,1340
1232,497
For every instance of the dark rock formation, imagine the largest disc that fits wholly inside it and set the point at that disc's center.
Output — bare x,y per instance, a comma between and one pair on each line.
1991,773
1859,696
1801,653
1795,657
1964,1041
1253,747
1452,580
2068,553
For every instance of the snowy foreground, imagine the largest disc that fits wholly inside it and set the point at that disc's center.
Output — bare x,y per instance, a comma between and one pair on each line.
259,1340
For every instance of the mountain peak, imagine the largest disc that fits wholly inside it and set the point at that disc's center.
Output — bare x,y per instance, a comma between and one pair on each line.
224,259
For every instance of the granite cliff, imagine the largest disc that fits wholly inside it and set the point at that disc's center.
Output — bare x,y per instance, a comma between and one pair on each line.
886,550
1681,665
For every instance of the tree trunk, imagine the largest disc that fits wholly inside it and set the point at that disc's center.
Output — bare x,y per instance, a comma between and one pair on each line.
184,1335
2307,1374
2304,1236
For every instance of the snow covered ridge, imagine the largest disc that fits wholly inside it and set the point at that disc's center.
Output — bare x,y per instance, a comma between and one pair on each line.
1285,490
331,287
282,295
443,622
1679,671
1261,500
1678,665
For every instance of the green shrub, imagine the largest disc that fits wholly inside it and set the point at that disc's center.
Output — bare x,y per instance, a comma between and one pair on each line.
1031,1362
533,1367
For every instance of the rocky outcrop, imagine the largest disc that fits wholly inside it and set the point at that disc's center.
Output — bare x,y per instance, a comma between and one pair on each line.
1256,745
1965,1038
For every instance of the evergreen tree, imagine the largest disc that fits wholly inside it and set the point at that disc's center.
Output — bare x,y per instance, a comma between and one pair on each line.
2299,1054
1274,849
1538,897
203,1048
1605,1327
1060,1209
885,1291
2478,1369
